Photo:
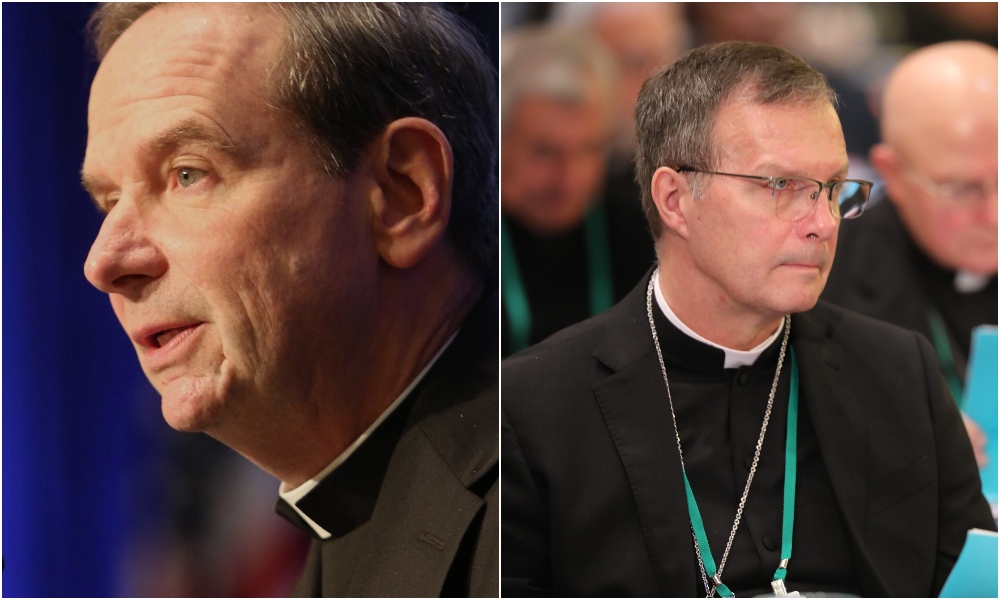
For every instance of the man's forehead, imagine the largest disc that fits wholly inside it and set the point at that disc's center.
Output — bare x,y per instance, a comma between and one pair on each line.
793,138
180,66
744,112
221,41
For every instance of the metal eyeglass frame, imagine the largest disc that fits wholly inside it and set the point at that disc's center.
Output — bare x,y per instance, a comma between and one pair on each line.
828,186
949,191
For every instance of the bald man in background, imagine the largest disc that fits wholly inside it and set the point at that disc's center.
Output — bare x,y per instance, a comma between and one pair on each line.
927,259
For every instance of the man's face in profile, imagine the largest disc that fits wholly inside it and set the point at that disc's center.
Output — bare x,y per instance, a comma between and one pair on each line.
234,264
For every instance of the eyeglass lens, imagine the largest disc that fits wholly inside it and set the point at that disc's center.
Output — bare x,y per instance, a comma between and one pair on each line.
795,197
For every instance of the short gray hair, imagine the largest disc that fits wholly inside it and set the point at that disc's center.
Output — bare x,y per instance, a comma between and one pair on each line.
347,70
676,110
560,64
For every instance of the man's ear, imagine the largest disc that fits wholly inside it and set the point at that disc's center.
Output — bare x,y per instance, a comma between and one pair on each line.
412,167
667,189
886,162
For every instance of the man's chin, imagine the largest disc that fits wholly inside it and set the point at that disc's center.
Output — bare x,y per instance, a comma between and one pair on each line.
796,303
188,406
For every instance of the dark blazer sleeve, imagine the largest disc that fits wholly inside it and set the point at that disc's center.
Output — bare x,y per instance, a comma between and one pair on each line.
525,570
961,503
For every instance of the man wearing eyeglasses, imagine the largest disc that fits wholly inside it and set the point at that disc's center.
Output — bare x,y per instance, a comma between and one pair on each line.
927,259
719,432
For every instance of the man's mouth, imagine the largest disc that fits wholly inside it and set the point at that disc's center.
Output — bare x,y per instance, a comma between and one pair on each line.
162,338
167,345
157,339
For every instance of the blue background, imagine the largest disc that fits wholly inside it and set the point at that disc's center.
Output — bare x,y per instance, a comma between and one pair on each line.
71,378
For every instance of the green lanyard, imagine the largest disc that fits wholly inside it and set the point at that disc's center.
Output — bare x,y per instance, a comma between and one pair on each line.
598,264
788,510
942,345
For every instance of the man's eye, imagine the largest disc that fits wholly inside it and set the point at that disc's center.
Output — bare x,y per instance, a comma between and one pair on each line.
780,184
962,191
187,176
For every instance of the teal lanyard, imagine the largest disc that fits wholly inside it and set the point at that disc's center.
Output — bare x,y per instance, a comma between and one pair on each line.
514,298
788,509
942,346
599,281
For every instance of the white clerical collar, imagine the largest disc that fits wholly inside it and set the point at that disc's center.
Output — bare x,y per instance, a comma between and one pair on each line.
292,496
967,282
734,358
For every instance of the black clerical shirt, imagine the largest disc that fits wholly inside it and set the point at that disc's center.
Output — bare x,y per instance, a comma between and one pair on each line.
719,414
344,501
556,273
960,311
555,276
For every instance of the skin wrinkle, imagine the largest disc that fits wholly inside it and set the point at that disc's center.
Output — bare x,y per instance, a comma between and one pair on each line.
96,188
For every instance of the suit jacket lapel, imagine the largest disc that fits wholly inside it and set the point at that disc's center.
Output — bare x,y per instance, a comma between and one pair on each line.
448,451
414,546
842,436
633,401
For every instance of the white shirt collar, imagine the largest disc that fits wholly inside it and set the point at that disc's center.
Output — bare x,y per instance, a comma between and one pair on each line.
967,282
734,358
292,496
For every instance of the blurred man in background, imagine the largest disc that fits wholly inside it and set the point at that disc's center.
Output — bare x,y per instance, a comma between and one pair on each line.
927,258
642,37
565,251
303,260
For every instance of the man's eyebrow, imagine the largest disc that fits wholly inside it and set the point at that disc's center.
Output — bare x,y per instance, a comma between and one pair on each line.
93,189
185,132
192,131
773,170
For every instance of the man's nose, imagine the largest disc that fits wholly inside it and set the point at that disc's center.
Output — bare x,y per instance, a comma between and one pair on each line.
123,258
820,221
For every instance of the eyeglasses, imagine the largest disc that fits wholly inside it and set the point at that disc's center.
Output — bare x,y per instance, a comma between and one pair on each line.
794,196
957,193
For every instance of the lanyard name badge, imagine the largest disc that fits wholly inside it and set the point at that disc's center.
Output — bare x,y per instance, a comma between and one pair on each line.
788,509
706,563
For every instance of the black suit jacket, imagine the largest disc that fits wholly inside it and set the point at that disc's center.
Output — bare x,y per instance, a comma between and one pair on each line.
593,498
414,510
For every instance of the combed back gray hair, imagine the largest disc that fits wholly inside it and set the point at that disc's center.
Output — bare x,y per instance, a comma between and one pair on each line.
558,64
347,70
676,110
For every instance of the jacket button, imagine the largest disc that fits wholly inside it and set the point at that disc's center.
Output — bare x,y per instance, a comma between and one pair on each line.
770,544
743,378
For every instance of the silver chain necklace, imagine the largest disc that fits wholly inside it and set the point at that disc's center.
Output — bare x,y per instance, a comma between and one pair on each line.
717,580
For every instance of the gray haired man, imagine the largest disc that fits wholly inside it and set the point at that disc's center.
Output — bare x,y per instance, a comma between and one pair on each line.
719,431
300,239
